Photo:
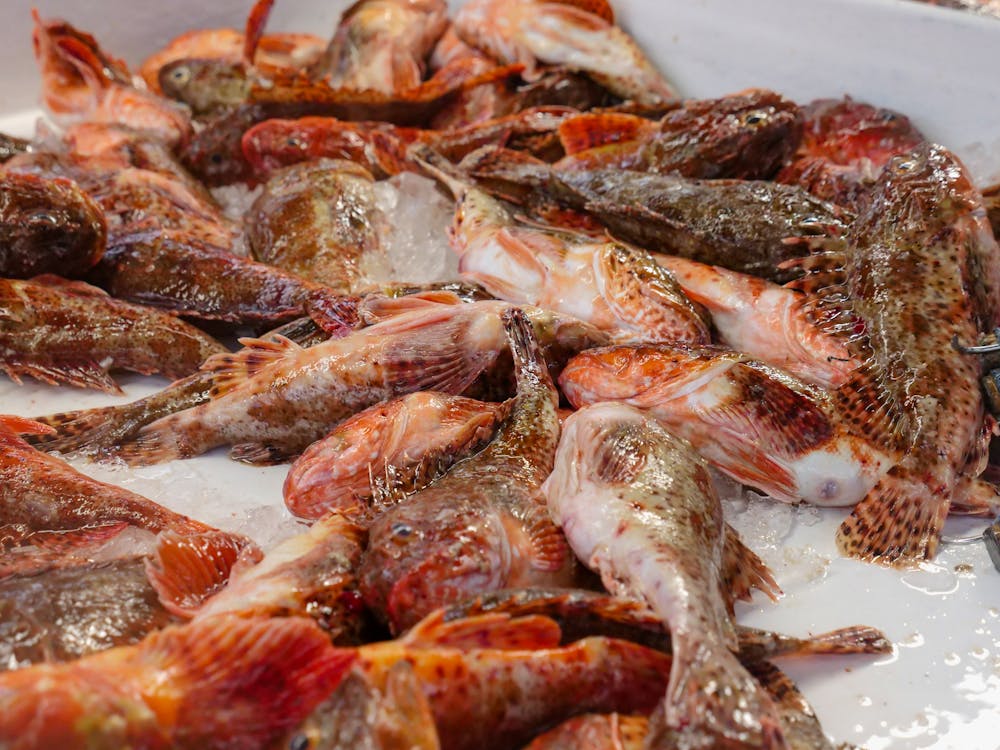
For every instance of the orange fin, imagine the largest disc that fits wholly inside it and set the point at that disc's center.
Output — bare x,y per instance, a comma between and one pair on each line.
231,370
378,307
73,540
857,639
743,571
866,405
12,425
897,523
186,570
490,631
239,682
80,374
68,285
588,131
549,549
256,23
336,315
599,8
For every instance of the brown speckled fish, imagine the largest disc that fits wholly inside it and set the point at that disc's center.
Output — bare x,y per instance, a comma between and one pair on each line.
595,732
493,682
394,447
319,221
69,332
47,503
274,398
483,525
638,506
919,270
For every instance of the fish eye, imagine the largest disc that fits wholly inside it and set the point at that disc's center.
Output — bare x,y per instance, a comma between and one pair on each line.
299,742
905,165
402,529
754,118
180,75
293,142
215,158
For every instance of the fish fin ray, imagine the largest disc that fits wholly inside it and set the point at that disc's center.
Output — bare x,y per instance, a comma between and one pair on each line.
593,130
231,369
489,631
261,454
743,571
73,540
80,374
550,551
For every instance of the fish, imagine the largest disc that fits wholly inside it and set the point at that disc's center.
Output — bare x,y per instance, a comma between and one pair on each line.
192,278
80,81
187,686
70,611
845,144
274,398
47,503
638,506
757,424
59,331
578,38
390,449
207,86
764,321
748,135
581,613
318,220
991,198
595,732
614,286
48,226
311,574
382,45
739,225
801,728
918,270
483,525
494,683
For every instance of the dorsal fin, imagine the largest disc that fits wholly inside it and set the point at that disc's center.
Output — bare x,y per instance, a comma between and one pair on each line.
230,370
587,131
491,631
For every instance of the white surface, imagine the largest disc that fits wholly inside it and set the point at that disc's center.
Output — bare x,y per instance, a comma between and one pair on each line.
941,687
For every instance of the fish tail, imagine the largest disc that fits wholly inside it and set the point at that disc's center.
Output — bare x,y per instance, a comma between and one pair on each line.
240,678
709,692
898,522
187,569
856,639
743,571
158,443
86,430
528,359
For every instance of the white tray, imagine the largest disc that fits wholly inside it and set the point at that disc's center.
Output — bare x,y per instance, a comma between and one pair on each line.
941,686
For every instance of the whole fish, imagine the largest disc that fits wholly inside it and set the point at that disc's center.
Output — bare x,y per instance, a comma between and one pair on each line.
483,525
47,503
757,424
199,280
193,686
318,220
311,574
595,732
274,398
382,45
611,285
494,683
47,226
739,225
638,507
581,614
388,449
764,321
80,80
748,135
534,33
844,146
60,331
919,270
70,611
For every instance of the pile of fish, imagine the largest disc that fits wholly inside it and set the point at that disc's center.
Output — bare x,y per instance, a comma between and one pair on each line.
516,539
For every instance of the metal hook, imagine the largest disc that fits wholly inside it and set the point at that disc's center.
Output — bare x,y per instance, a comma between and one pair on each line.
991,348
990,536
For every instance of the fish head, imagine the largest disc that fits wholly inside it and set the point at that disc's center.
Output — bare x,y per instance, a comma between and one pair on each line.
204,84
215,153
560,336
845,131
429,552
927,185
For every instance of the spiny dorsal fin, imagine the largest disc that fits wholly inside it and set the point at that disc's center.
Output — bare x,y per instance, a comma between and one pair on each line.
231,370
490,631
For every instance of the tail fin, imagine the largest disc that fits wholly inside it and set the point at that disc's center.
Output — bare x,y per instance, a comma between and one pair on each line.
898,522
743,571
760,645
156,443
230,681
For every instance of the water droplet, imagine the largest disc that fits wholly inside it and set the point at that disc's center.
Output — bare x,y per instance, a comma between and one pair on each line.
913,640
980,652
952,659
864,701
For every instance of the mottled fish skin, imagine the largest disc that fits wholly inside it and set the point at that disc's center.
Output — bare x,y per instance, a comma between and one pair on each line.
70,611
198,280
739,225
277,398
763,320
638,506
614,286
595,732
798,720
205,85
197,686
382,45
535,33
919,270
494,683
483,525
47,226
387,451
744,136
11,146
46,502
318,220
758,424
311,574
69,332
